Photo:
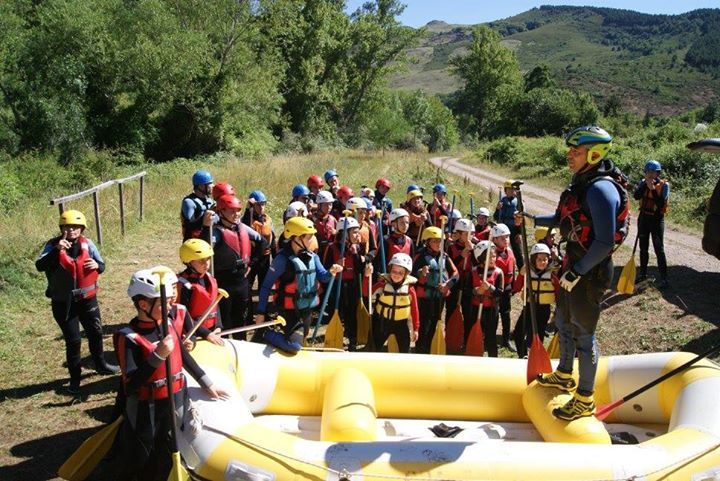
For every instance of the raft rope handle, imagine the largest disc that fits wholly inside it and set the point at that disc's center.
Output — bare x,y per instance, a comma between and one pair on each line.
343,474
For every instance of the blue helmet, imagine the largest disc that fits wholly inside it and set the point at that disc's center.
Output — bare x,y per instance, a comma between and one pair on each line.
202,177
300,190
412,187
652,166
329,174
439,188
258,196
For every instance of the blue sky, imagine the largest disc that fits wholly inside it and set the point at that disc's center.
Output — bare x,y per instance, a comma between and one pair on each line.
420,12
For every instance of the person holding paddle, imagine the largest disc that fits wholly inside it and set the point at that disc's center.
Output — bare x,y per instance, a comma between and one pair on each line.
488,285
142,350
460,252
593,218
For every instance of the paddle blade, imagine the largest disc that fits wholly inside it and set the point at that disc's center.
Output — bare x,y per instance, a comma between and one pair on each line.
475,344
334,333
178,471
605,411
554,347
455,331
363,323
437,345
626,282
86,458
393,344
538,360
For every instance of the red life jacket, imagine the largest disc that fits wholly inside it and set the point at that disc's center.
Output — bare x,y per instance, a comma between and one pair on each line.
200,297
351,267
234,253
648,206
506,263
487,298
483,234
397,244
575,221
84,280
464,267
156,386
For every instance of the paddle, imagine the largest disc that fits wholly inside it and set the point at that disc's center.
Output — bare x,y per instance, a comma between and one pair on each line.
476,340
538,359
222,293
392,344
455,328
178,472
605,411
335,332
381,239
279,320
322,308
472,207
626,282
554,346
437,344
363,317
86,458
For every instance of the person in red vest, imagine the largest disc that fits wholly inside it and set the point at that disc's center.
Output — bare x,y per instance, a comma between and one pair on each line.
142,349
198,289
488,293
396,242
507,262
325,224
482,224
460,252
232,247
72,264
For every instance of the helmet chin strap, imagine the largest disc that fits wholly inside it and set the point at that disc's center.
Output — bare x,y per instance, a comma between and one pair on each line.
148,313
303,247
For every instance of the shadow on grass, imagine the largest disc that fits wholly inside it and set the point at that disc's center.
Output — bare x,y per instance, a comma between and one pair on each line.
99,385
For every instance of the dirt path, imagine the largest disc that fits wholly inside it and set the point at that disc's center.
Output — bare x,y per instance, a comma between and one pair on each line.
678,245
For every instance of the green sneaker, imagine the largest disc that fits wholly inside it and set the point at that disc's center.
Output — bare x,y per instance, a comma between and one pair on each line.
557,379
578,407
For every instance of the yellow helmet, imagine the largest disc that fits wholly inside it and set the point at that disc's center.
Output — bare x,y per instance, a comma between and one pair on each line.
195,249
414,193
73,217
431,233
542,232
296,226
509,183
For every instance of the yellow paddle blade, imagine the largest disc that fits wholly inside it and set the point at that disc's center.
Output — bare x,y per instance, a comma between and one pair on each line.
437,346
626,282
86,458
178,471
334,333
554,347
363,323
393,344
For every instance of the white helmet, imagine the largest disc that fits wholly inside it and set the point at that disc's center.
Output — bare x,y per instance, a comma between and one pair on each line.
456,214
347,223
355,203
324,197
402,260
480,248
146,283
296,209
500,230
395,214
484,211
540,248
463,225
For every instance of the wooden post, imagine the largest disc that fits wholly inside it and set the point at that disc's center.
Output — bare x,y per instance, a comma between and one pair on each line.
122,209
61,208
98,225
142,196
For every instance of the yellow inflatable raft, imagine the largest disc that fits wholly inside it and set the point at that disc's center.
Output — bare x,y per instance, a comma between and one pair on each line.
362,416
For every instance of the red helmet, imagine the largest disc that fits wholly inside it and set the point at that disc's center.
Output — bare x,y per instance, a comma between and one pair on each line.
384,182
315,181
222,188
228,201
344,192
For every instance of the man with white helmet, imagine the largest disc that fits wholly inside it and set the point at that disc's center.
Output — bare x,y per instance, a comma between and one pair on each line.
396,309
142,351
482,224
325,223
460,252
506,262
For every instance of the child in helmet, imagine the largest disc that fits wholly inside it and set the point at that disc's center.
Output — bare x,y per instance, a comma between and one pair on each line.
395,304
295,273
548,237
460,252
220,189
368,230
653,194
381,201
142,350
194,205
544,286
356,265
257,218
72,264
315,185
439,206
325,223
419,216
332,180
197,288
487,293
396,241
482,224
342,196
506,262
434,284
233,259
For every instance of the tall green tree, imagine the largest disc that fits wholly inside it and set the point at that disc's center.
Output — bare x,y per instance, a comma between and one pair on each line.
491,78
538,77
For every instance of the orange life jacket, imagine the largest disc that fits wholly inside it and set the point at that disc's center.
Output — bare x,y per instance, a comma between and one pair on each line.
648,206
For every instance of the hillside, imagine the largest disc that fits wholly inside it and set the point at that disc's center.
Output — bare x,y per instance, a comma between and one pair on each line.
663,64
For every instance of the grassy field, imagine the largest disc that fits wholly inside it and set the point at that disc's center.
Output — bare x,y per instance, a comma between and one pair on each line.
40,425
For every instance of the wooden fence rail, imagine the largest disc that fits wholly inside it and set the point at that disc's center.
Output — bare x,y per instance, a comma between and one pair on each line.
61,201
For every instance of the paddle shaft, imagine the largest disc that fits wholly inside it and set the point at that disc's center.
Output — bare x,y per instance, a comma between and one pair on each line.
381,239
484,278
235,330
326,297
168,364
222,293
526,260
603,412
342,259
